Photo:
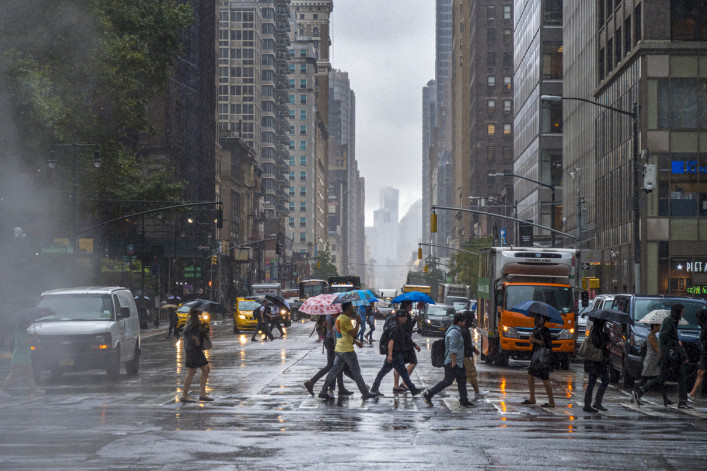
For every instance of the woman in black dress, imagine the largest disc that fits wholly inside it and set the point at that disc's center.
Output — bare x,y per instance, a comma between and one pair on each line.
540,337
193,339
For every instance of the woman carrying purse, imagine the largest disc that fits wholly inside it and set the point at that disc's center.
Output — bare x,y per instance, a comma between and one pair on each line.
540,338
195,358
596,357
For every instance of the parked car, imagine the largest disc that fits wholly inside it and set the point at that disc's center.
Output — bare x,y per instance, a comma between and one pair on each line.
385,309
244,314
627,353
584,324
93,328
435,318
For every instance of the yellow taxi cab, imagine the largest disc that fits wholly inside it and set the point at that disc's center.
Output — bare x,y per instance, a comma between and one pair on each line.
245,314
183,313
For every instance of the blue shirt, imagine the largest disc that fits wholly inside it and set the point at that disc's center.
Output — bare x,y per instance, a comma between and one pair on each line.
454,343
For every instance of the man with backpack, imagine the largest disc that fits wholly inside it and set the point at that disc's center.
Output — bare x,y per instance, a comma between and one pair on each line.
453,363
392,340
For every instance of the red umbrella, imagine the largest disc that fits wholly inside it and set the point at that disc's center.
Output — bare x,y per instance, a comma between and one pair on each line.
320,305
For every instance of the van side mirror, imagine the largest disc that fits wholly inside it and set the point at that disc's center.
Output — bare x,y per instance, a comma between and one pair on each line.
124,313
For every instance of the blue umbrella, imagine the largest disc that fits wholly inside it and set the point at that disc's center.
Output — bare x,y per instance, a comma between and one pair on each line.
414,296
357,297
539,308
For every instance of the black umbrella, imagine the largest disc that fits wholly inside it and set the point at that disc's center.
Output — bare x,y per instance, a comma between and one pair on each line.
209,306
32,314
612,315
279,301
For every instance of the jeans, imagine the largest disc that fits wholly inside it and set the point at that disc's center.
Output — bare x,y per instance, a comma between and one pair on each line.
330,344
450,374
362,329
594,374
276,323
345,359
399,366
263,327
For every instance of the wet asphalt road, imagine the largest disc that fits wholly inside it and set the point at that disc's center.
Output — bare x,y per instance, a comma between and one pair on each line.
263,418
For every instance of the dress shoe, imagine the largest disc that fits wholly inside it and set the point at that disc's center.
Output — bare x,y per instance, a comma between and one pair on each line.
416,391
589,409
326,396
467,404
345,392
684,405
600,407
310,387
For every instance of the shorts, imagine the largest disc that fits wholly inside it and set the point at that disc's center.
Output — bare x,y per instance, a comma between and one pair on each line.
410,357
703,361
470,368
195,358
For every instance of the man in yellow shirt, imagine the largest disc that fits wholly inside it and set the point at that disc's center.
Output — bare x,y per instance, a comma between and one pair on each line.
346,331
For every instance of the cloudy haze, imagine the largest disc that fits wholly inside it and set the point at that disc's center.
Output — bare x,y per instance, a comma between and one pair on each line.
387,47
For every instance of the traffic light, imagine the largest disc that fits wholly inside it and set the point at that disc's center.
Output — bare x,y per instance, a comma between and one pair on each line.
278,248
433,222
419,253
219,218
214,259
211,283
426,269
585,298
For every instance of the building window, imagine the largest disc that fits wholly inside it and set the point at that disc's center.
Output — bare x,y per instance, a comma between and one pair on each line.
303,206
491,106
302,114
303,191
507,82
303,160
303,237
552,12
292,176
491,35
303,52
291,83
303,131
490,154
292,145
551,120
507,154
292,130
292,99
302,145
688,20
292,68
292,191
303,99
491,82
291,206
507,129
491,12
507,12
491,129
552,60
292,161
507,59
302,222
303,84
507,36
507,106
303,176
682,103
292,114
303,68
291,222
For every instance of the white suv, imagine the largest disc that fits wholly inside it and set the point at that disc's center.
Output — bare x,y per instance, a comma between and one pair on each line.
92,328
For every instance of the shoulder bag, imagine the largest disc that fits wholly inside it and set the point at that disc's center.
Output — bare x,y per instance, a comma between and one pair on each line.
589,352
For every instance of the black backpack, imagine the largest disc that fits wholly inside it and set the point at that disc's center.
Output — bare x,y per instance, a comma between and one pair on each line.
438,353
388,327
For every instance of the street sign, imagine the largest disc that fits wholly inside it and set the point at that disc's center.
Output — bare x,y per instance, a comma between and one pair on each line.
585,266
502,233
130,249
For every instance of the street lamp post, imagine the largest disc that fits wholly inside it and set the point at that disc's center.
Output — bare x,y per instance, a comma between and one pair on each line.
552,189
52,161
505,205
636,210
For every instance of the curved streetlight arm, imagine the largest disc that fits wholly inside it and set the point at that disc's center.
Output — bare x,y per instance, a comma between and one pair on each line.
632,114
447,247
522,178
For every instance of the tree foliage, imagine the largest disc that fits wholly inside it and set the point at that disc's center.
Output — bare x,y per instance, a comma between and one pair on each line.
466,265
324,267
87,70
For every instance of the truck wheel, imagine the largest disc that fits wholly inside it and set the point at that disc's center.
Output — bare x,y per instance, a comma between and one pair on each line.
133,366
113,368
502,359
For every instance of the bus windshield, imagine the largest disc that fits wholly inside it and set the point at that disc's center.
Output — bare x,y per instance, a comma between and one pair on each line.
559,297
307,289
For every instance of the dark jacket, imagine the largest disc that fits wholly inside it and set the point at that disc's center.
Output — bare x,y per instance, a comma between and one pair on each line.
408,327
669,339
192,329
543,334
468,343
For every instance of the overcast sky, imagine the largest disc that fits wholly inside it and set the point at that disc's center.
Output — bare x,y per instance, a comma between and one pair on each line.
388,49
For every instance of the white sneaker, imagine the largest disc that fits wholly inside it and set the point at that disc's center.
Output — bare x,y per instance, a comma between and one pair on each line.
690,398
38,393
4,394
481,394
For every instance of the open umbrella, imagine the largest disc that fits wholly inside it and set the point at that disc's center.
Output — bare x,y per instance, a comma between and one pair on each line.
612,315
32,314
538,308
414,296
172,297
658,316
357,297
169,306
205,305
320,305
279,301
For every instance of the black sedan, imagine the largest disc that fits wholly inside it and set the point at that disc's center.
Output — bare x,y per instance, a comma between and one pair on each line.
435,318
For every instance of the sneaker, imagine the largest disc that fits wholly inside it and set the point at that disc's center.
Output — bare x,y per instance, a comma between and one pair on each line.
399,390
416,391
467,404
345,392
481,394
636,396
427,399
4,394
310,387
600,407
376,393
690,398
684,405
589,409
326,396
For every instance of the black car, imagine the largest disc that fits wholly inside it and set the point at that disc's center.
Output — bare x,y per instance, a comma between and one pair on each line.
435,318
627,341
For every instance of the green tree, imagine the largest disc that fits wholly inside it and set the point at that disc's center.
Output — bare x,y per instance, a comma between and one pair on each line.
88,70
466,265
324,266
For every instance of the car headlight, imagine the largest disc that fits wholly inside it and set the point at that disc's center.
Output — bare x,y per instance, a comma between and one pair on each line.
205,317
241,317
510,332
283,311
100,338
565,334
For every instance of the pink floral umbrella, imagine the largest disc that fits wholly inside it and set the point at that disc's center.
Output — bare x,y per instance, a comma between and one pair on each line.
320,305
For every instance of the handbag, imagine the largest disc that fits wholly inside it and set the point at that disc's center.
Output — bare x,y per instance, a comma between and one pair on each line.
540,361
589,352
206,343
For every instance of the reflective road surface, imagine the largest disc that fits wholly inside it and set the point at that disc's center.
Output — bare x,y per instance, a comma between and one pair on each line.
263,418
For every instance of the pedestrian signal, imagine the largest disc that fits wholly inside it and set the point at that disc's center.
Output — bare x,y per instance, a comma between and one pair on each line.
433,222
419,253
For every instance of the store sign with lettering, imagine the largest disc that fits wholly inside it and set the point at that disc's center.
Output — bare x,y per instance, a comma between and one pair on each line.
697,290
692,267
687,166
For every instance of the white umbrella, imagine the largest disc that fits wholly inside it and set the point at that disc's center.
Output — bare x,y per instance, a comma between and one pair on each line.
658,316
